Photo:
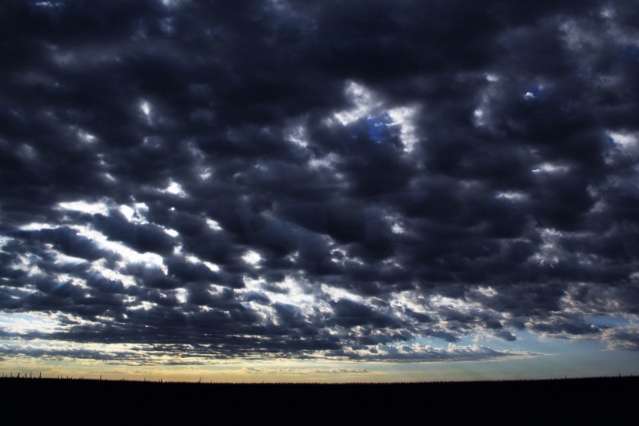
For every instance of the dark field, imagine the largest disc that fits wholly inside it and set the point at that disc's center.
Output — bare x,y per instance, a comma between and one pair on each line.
604,401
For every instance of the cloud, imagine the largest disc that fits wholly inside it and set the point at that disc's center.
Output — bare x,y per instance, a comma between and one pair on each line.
197,175
417,353
626,338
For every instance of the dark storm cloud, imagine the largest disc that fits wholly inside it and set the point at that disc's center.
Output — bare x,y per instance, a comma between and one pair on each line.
143,238
65,240
285,177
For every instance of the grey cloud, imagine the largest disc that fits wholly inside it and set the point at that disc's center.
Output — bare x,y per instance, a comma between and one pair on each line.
378,148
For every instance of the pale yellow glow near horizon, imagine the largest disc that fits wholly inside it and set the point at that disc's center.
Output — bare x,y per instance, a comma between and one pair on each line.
325,371
274,371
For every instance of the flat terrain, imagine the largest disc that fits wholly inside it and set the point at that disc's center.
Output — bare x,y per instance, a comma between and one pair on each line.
604,401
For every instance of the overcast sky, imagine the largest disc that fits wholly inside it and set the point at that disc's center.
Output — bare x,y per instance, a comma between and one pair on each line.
327,190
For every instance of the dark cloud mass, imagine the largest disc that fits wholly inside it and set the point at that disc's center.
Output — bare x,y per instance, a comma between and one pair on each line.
295,178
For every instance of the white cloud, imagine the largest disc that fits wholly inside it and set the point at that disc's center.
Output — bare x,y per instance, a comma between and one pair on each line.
181,294
174,188
512,195
145,108
252,257
551,168
213,224
98,207
625,140
405,118
26,322
364,102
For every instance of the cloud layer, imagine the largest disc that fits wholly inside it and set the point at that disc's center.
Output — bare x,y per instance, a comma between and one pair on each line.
280,178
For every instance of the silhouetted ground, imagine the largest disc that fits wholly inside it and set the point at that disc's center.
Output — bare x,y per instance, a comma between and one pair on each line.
601,401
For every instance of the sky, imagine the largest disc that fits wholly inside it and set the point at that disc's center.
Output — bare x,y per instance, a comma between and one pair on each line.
327,191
